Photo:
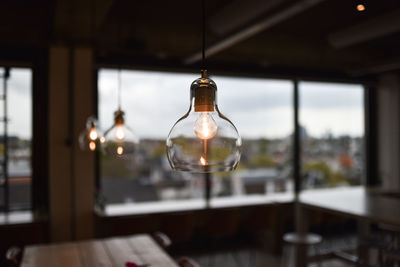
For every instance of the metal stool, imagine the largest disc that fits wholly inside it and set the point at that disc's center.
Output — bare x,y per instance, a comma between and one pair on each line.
295,242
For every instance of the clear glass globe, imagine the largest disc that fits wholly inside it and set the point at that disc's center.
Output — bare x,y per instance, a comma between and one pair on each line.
119,139
91,137
203,140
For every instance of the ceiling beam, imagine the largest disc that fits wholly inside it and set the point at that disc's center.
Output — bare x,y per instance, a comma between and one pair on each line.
79,20
368,30
239,13
382,67
254,29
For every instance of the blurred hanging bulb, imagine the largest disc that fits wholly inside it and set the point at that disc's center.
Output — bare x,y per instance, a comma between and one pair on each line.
119,139
89,138
92,146
205,126
119,132
93,134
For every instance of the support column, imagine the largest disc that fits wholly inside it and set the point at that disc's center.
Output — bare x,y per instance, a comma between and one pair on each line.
388,122
83,161
59,145
71,171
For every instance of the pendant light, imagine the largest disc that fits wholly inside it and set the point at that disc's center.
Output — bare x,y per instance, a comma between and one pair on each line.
91,138
119,139
203,140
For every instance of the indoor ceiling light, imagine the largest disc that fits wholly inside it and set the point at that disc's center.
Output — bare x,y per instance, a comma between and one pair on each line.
91,137
203,140
119,139
360,7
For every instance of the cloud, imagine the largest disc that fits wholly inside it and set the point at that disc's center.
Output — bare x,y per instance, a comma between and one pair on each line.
19,103
154,101
330,95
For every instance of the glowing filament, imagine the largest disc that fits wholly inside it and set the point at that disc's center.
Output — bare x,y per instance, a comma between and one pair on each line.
102,139
120,150
92,146
93,134
205,127
119,132
203,161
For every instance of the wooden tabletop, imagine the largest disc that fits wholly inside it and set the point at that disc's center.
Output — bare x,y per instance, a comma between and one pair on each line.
357,202
140,249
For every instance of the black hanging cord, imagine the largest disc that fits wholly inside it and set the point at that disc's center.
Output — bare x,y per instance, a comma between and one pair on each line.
119,88
203,49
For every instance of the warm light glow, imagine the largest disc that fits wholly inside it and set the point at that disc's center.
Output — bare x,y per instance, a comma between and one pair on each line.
92,146
119,132
102,139
93,134
360,7
203,161
120,150
205,127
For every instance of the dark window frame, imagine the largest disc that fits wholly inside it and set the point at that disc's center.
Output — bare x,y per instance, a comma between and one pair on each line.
37,61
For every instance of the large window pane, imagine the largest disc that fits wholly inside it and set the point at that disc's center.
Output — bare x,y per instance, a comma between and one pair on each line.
152,101
332,134
262,110
19,137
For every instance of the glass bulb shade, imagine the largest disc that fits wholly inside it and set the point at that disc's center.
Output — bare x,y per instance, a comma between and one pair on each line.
120,139
203,140
90,138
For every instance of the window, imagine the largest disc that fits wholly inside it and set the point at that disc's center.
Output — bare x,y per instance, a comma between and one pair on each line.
152,102
262,110
15,139
332,134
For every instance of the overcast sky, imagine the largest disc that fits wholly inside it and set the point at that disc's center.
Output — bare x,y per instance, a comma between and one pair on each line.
19,103
153,101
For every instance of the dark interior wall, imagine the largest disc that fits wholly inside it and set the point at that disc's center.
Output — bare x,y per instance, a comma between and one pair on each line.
264,224
198,224
21,235
388,130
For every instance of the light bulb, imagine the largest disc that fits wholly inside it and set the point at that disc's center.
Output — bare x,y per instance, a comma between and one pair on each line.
360,7
205,126
91,136
119,139
203,140
120,150
119,132
203,161
92,146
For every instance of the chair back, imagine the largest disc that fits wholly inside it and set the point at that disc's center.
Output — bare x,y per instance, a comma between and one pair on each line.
162,240
13,256
187,262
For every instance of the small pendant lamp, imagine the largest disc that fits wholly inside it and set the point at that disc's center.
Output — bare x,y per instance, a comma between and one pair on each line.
91,137
203,140
120,139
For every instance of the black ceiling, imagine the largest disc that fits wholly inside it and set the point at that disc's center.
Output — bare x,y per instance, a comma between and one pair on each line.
167,33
